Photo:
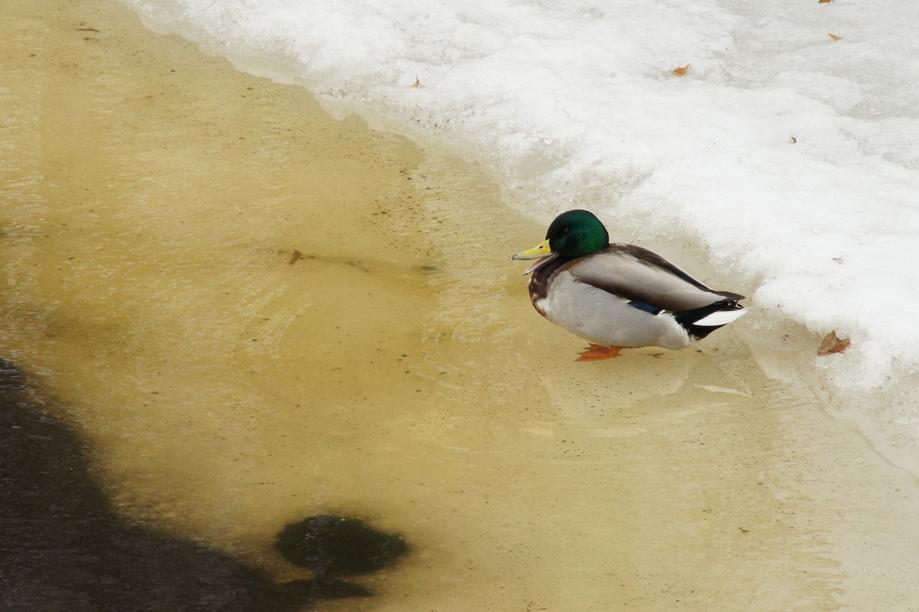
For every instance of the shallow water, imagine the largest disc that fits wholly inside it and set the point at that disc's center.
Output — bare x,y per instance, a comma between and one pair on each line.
150,200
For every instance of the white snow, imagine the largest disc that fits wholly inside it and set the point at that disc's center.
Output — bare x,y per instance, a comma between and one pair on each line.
793,159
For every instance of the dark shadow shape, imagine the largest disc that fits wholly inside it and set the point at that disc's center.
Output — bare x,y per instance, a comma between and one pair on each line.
62,547
332,546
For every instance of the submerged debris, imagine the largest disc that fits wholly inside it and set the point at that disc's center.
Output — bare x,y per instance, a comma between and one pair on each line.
294,257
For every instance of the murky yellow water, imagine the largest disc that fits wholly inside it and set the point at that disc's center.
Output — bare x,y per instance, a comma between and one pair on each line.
150,200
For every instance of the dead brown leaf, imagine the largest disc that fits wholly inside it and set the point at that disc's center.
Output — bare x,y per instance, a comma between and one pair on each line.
417,82
681,70
294,257
833,344
824,1
835,37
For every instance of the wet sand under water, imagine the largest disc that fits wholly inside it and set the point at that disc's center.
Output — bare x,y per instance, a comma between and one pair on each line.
150,199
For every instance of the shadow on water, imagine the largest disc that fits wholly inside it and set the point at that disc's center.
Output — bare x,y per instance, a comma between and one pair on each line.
332,546
63,547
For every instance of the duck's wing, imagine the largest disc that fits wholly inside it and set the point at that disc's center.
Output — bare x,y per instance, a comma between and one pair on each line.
646,280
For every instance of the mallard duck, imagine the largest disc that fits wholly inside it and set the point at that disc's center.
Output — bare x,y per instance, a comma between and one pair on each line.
619,295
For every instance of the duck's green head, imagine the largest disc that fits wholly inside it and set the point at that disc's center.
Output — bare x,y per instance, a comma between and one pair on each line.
573,234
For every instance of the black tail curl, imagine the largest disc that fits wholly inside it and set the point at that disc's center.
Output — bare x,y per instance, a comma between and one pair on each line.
688,318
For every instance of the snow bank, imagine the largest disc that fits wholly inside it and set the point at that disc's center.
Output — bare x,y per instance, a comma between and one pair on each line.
792,157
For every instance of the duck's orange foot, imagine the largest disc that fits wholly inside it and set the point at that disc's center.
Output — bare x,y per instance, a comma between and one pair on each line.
598,352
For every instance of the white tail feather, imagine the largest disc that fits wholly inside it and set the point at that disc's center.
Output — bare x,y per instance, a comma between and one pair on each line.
721,317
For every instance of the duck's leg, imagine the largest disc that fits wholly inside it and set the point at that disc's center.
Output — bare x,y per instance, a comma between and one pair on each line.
598,352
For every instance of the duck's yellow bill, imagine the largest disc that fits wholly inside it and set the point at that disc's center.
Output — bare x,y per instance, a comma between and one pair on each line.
540,250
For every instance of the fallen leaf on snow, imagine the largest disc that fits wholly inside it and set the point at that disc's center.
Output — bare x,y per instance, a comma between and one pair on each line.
294,257
417,82
681,71
833,344
824,1
835,37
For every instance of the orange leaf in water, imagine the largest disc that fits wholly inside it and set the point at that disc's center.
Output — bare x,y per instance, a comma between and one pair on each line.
294,257
681,71
835,37
833,344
